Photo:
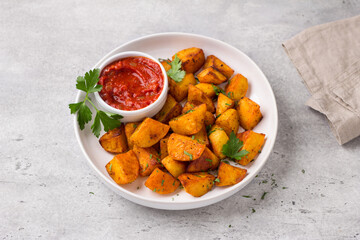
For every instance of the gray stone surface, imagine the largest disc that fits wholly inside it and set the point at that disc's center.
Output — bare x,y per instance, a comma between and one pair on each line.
45,180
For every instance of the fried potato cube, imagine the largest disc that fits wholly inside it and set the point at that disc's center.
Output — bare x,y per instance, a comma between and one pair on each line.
249,113
209,117
202,136
124,167
162,182
218,138
197,97
163,148
179,90
148,160
253,142
214,62
237,87
207,161
183,148
192,59
211,75
148,133
189,123
188,106
176,168
197,184
229,175
170,110
223,103
207,88
129,130
229,121
114,141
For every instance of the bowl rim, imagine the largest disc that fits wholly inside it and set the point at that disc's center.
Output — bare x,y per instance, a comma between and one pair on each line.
198,202
149,107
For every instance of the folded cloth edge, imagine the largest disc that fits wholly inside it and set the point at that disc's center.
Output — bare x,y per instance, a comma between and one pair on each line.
339,119
346,90
335,94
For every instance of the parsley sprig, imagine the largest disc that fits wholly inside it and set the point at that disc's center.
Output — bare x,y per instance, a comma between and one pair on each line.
89,84
232,148
175,71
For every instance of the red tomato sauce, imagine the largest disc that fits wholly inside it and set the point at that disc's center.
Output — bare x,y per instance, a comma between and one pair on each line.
131,83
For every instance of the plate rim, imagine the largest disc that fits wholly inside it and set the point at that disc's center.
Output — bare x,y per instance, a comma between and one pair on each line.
148,202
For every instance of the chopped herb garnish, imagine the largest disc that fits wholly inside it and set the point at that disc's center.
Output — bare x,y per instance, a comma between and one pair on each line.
175,71
91,193
303,171
150,156
208,127
208,160
230,226
154,190
256,175
225,161
162,182
147,165
174,183
218,90
135,125
217,180
110,167
263,196
253,211
246,196
265,181
193,137
259,151
189,154
209,133
227,104
218,116
284,187
232,148
189,111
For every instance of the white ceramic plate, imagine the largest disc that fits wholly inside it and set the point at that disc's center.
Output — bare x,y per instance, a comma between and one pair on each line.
164,45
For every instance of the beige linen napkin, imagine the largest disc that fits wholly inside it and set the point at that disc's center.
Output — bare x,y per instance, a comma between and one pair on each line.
328,59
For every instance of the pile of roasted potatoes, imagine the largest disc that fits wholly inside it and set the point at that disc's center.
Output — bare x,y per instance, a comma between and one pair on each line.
182,145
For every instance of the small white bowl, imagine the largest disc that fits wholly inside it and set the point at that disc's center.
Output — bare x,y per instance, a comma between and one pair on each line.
139,114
